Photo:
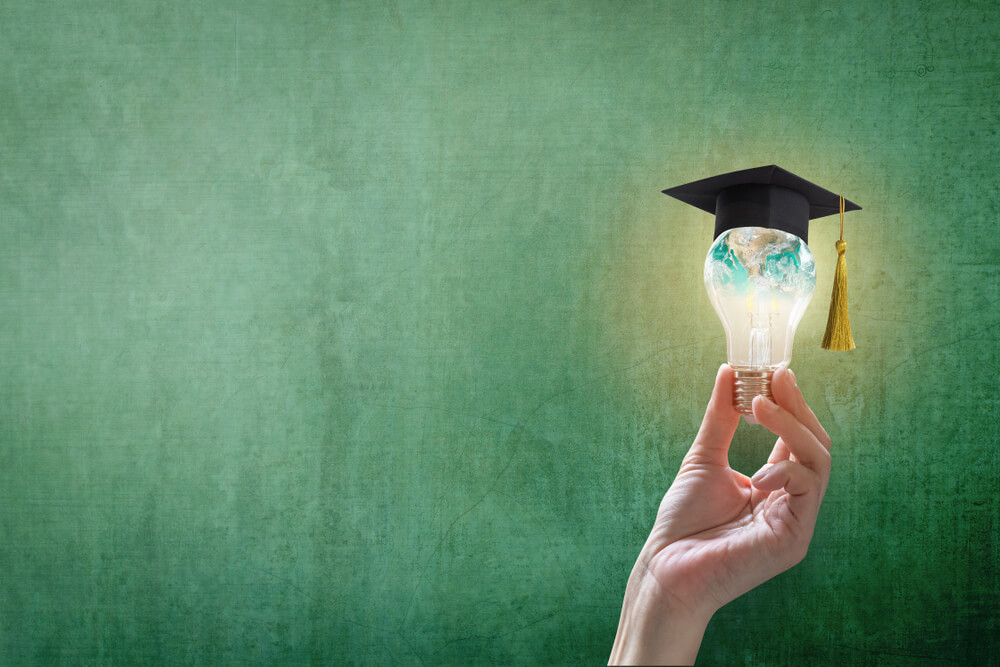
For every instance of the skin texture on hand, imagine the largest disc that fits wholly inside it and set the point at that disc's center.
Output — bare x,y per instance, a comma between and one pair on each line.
718,533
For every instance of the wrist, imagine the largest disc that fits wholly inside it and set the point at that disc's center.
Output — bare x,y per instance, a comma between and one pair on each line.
655,628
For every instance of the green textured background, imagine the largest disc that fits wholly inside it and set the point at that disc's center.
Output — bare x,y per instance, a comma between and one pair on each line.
359,332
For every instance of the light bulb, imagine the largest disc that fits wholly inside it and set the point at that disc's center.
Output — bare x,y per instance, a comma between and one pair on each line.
760,281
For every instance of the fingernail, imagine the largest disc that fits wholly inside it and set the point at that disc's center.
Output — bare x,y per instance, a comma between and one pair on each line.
767,403
794,381
762,473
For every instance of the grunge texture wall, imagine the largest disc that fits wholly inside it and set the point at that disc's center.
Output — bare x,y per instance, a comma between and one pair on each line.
359,331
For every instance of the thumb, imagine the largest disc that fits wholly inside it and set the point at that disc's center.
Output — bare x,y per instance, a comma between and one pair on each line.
711,445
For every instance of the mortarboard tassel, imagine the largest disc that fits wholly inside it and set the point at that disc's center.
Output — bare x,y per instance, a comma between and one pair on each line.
838,325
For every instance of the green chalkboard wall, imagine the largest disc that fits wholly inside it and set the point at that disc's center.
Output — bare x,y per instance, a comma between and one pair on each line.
359,331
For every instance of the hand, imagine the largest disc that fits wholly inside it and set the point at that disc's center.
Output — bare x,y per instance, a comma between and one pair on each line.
718,533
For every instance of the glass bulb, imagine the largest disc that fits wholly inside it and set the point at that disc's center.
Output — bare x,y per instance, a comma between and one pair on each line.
760,281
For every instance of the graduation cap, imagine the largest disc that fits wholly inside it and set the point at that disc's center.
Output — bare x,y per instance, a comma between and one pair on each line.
761,197
775,198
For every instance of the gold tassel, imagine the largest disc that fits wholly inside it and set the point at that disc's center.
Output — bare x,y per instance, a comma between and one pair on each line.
838,325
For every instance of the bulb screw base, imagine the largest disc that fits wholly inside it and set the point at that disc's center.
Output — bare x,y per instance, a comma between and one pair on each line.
749,383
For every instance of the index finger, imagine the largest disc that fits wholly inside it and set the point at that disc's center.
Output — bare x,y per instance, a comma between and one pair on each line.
799,439
787,394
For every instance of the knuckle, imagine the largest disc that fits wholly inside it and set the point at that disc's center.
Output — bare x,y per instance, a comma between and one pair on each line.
825,439
827,460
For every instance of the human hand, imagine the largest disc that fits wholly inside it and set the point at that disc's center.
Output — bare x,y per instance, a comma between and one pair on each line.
718,533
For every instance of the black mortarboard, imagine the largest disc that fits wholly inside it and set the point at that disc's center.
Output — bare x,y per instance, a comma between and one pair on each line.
761,197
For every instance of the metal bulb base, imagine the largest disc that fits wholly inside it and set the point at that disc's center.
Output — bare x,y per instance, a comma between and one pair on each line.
749,383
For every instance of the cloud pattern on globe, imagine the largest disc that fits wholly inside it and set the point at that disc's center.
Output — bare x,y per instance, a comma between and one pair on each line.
770,259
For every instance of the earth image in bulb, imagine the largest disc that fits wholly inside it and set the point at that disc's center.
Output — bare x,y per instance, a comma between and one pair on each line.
761,260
